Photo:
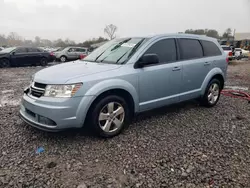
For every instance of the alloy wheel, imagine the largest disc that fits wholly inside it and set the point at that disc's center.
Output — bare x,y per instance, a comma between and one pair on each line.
213,93
111,117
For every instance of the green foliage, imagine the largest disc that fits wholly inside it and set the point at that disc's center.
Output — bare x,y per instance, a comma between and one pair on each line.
208,32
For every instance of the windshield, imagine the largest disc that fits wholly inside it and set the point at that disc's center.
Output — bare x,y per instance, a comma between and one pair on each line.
8,50
116,51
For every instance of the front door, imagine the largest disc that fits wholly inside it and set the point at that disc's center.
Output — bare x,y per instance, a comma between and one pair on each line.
159,84
72,54
20,57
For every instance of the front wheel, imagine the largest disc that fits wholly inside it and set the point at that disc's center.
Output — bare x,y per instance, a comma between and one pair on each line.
109,116
4,63
63,59
212,93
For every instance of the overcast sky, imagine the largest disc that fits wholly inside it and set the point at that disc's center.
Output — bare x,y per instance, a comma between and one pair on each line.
83,19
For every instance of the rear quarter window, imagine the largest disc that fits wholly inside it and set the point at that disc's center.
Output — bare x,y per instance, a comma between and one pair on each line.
210,48
190,49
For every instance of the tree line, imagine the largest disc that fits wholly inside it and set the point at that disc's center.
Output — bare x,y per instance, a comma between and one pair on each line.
211,33
14,39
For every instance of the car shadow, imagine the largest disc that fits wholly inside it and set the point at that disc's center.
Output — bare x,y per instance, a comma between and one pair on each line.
89,134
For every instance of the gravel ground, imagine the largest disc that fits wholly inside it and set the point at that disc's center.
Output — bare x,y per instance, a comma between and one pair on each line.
179,146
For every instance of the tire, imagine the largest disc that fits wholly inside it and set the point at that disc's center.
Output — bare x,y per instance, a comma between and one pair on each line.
4,63
44,62
212,93
63,58
114,121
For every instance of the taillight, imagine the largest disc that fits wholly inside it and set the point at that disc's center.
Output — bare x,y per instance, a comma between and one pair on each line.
82,56
51,53
230,54
227,59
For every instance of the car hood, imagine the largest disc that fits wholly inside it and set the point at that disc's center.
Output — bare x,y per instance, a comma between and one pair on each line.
2,53
60,74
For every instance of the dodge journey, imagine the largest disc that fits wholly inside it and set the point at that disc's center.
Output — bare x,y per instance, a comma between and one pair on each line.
123,77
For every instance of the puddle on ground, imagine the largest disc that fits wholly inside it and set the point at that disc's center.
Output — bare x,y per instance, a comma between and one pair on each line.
7,98
236,88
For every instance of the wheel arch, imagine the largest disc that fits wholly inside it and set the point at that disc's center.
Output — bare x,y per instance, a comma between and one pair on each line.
117,87
214,73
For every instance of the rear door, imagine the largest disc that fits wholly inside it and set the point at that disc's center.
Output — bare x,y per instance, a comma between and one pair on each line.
81,51
20,57
195,67
34,56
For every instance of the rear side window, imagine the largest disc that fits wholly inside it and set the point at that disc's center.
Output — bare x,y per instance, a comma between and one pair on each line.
190,49
210,49
81,50
165,49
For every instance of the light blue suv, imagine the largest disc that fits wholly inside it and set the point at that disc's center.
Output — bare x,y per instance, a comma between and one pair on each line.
124,77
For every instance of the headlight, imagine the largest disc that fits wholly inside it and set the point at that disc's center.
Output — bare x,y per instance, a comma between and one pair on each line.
61,90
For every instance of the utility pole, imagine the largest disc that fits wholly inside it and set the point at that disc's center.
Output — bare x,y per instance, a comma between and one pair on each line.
234,36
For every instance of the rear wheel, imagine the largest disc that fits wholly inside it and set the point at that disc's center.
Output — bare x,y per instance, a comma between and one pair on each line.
43,62
4,63
212,94
109,116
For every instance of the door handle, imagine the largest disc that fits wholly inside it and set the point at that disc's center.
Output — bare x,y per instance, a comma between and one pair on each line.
207,63
176,69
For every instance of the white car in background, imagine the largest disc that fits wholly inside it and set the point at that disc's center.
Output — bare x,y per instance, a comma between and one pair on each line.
245,53
1,48
238,52
228,51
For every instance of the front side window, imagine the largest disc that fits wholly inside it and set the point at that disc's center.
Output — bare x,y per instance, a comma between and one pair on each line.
21,50
210,49
165,50
72,50
190,49
116,51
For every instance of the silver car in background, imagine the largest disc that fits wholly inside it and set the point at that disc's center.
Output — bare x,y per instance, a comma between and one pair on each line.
70,53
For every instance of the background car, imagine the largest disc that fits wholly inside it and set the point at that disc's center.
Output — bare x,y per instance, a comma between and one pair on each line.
228,51
238,53
70,53
19,56
1,48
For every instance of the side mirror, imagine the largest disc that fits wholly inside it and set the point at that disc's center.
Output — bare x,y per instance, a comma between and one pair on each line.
147,59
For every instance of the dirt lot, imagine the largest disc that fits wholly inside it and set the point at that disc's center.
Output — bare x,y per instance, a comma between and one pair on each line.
180,146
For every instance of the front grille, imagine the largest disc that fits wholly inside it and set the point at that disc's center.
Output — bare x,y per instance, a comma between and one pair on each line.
39,85
37,89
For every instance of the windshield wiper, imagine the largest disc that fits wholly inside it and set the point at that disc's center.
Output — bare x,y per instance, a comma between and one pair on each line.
118,45
135,47
131,53
99,55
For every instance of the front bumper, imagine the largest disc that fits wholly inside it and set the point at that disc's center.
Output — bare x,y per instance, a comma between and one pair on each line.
55,114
